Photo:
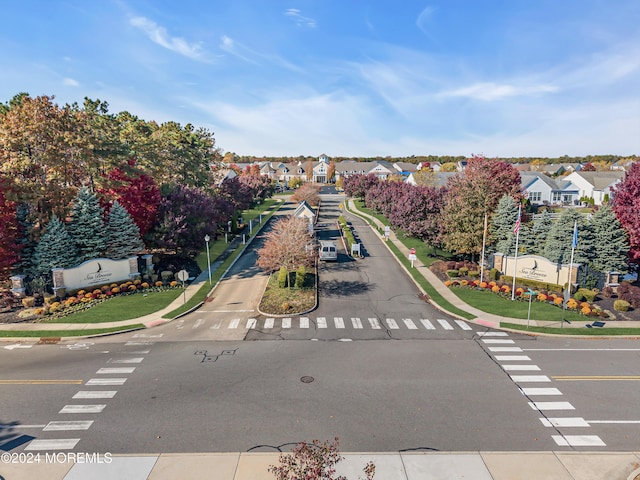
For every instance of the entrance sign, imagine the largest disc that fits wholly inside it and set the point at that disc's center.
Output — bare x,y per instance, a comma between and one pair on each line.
99,271
535,267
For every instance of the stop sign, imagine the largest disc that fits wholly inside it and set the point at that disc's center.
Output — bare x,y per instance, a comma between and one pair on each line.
412,251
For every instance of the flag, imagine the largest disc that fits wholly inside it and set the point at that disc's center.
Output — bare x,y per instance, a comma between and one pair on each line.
574,243
516,229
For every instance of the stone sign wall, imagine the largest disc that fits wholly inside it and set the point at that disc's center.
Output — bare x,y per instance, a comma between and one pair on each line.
99,271
534,267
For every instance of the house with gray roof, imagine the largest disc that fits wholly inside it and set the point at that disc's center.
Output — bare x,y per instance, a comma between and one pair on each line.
596,185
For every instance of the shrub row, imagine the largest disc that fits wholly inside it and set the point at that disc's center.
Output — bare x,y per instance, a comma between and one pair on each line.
534,284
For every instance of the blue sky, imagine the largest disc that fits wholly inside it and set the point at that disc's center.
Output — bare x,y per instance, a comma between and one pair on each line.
346,78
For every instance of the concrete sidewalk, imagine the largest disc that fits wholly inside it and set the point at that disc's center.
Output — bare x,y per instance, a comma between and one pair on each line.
389,466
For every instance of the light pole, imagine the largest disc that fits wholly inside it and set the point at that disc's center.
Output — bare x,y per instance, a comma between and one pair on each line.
206,239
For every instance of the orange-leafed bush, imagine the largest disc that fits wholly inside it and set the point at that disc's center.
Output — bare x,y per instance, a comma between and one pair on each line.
484,284
447,283
542,297
557,300
585,311
159,283
572,304
495,289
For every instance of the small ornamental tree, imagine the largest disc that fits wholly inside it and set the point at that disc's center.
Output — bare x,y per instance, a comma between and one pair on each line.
123,235
10,234
55,249
87,226
307,192
626,205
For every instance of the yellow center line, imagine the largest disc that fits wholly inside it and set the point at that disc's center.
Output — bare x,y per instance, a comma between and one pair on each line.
40,382
564,378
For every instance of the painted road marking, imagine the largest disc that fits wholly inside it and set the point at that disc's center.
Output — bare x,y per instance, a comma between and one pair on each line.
495,341
107,371
427,324
551,406
268,322
147,335
251,323
59,426
392,324
567,378
126,360
106,381
493,334
95,394
83,409
322,322
463,325
505,349
40,382
513,368
530,378
132,343
565,422
197,323
541,391
234,323
374,323
356,322
339,321
513,358
578,440
304,322
17,345
409,323
445,324
286,323
53,444
216,325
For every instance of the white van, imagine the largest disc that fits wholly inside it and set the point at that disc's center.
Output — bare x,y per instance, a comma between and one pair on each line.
328,251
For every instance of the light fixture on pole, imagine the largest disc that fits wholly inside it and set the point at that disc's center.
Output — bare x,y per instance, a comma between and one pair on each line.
206,239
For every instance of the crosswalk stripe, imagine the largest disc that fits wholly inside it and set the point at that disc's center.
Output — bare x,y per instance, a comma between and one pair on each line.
106,371
578,440
495,341
541,391
234,323
304,322
564,422
95,394
268,323
197,323
530,378
392,324
463,325
127,360
356,322
67,426
339,321
493,334
322,322
513,358
53,444
105,381
446,325
216,325
374,323
251,323
133,343
427,324
521,368
551,406
286,323
409,323
505,349
82,408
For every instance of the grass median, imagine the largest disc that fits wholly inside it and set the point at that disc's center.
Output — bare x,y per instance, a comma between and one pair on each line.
67,333
595,331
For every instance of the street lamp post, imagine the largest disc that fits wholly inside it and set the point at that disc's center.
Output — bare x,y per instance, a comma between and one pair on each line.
206,239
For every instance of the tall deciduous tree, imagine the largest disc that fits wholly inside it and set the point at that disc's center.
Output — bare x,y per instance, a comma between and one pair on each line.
417,212
123,235
626,205
10,233
612,242
55,249
288,244
87,226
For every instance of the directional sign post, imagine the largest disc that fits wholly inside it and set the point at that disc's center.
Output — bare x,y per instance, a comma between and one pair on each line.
387,232
183,275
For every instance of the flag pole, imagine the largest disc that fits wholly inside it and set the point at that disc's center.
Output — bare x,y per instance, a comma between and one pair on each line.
574,244
516,230
484,242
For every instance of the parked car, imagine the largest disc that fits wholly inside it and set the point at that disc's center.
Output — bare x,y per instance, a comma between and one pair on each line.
328,251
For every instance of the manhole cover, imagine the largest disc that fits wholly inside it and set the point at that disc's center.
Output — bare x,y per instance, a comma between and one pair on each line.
307,379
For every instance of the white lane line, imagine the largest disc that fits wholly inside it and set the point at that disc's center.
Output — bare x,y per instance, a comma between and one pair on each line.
106,381
148,335
339,321
493,334
356,322
216,325
427,324
126,360
53,444
251,323
409,323
565,422
286,323
268,322
551,406
496,341
620,422
139,352
530,378
504,349
541,391
106,371
523,368
446,325
578,440
463,325
322,322
374,323
225,311
132,343
95,394
65,426
513,358
304,322
234,323
393,325
82,409
197,323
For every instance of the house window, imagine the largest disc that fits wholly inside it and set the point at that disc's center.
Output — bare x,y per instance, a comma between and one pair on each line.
535,196
556,196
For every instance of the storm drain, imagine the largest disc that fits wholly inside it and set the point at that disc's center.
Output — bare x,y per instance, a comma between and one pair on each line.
307,379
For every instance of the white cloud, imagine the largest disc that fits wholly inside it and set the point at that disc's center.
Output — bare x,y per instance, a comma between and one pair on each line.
489,91
70,82
299,19
159,35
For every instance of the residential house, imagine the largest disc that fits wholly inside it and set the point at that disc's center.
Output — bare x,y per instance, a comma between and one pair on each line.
541,189
596,185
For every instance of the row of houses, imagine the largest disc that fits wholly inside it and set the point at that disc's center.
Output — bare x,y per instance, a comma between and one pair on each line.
539,187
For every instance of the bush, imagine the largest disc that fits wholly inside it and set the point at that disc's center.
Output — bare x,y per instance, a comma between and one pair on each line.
579,296
452,273
463,271
166,275
589,295
29,302
474,274
301,274
630,293
282,277
494,274
607,292
621,305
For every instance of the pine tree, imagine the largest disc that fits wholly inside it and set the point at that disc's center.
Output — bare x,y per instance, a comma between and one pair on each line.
55,249
25,264
612,240
87,226
539,232
123,235
502,223
558,245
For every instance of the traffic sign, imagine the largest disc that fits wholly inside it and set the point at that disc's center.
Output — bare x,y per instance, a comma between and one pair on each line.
182,275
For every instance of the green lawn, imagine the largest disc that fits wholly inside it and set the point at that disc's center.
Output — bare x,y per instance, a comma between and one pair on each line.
574,331
67,333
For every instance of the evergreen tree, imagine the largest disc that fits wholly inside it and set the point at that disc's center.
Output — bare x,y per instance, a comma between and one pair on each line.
87,226
538,233
612,241
25,264
123,235
55,249
502,224
558,245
